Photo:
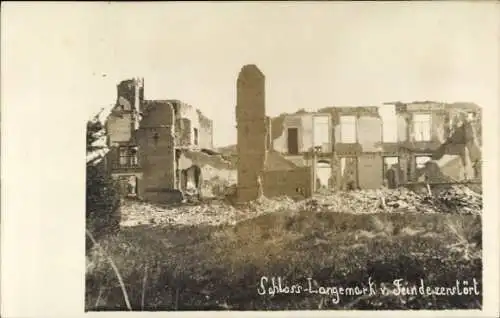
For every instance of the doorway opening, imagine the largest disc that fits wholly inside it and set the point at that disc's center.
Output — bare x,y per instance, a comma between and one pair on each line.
391,171
323,174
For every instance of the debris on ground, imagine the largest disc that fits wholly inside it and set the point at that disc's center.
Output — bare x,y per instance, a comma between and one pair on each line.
214,212
453,199
460,199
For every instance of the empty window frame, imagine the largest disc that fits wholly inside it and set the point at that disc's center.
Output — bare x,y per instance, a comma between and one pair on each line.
195,135
293,140
391,162
348,129
321,130
422,127
389,123
128,156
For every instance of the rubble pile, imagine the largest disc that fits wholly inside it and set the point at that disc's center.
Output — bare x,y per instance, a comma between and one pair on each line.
211,213
453,199
266,205
218,188
459,199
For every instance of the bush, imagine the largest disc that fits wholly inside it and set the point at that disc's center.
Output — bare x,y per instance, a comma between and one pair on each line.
103,202
102,195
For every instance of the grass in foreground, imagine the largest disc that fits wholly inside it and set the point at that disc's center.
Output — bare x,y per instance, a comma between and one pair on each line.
220,267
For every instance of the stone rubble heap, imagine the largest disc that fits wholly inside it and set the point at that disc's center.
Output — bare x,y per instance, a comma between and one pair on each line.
460,199
454,199
214,212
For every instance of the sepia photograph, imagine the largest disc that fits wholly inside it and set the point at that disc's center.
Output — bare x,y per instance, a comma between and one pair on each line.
342,189
260,156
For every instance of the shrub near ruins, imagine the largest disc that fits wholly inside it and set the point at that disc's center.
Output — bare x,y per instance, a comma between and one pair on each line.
102,196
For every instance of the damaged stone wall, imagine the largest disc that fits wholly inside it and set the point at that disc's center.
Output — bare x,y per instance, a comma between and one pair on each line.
121,124
447,137
294,183
269,139
447,169
370,170
439,124
157,127
205,134
358,164
261,169
217,174
454,145
368,139
276,161
402,127
189,112
157,152
123,119
192,128
304,124
283,177
251,130
119,127
186,120
182,132
369,130
130,94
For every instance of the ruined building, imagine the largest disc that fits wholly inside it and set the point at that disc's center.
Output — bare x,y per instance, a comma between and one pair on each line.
347,148
393,144
157,148
154,144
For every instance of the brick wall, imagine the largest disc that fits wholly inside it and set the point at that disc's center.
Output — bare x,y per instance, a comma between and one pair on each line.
188,119
183,132
294,183
119,127
157,154
251,131
370,170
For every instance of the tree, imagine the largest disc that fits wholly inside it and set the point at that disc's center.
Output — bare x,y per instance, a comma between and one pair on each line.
102,195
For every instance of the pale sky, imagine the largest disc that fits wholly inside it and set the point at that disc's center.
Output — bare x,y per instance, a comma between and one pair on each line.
313,55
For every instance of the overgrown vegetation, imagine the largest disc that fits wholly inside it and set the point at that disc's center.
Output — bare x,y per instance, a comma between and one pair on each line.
172,267
102,197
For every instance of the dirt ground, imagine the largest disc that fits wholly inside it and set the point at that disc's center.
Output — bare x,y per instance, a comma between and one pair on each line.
212,255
